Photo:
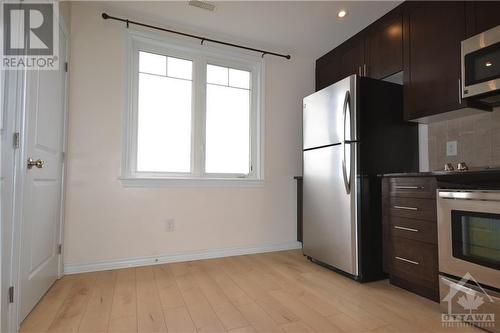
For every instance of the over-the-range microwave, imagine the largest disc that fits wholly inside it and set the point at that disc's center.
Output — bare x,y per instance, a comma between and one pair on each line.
481,68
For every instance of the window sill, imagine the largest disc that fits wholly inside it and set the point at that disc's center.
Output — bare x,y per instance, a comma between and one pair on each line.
190,182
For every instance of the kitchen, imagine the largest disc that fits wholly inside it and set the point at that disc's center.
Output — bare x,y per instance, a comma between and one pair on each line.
338,175
437,227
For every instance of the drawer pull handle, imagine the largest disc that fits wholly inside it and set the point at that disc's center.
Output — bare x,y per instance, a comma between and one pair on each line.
405,229
409,187
408,261
405,208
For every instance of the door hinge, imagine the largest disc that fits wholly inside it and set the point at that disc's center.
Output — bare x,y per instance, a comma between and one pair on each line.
66,66
11,294
59,249
16,141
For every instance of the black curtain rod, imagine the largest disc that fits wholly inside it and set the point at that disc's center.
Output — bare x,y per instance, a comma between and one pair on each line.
203,39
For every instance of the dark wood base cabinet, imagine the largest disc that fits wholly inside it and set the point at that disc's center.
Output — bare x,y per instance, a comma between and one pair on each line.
410,234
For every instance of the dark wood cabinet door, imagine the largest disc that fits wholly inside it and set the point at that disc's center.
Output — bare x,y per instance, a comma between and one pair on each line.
384,46
345,60
352,57
481,16
432,33
327,70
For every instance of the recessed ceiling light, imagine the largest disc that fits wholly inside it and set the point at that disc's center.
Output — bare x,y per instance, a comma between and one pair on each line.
341,13
488,64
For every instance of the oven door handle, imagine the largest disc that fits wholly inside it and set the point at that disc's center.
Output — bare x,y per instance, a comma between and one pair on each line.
467,288
470,195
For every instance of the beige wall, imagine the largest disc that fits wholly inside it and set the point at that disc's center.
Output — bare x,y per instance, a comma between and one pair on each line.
105,221
478,140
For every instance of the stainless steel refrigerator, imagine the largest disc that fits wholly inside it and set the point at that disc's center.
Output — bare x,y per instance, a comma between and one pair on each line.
353,131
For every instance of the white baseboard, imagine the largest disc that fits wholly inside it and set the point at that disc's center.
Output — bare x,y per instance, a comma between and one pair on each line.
188,256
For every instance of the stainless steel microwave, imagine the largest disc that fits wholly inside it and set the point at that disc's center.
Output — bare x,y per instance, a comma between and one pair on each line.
481,67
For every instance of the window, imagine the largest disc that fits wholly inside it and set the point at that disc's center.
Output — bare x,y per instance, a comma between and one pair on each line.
164,114
193,115
227,121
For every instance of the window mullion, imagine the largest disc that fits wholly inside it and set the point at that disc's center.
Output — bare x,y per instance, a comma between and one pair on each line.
254,126
199,119
133,111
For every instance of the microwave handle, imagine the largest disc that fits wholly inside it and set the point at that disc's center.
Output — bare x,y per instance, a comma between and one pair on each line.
469,195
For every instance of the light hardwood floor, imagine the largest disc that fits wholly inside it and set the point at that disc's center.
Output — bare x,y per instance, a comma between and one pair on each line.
272,292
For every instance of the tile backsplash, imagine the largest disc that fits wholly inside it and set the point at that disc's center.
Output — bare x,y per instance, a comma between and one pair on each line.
478,139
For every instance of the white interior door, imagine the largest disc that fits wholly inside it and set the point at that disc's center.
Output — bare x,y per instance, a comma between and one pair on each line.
42,188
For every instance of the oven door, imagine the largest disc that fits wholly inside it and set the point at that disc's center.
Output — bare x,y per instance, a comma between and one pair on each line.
469,234
481,67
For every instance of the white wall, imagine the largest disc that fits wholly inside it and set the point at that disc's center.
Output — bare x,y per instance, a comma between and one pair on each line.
106,222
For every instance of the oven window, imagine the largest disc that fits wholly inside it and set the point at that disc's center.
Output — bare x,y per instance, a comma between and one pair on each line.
476,237
482,65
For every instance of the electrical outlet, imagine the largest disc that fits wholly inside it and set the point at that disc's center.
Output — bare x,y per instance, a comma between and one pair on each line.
451,148
170,225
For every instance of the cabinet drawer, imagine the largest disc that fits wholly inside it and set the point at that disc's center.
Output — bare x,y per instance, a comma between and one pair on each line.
419,230
421,209
414,261
418,187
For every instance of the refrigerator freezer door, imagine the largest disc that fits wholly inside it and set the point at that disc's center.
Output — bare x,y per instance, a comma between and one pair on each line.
323,122
329,213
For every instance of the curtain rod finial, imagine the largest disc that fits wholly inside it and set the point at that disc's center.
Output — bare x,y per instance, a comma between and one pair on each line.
105,16
288,57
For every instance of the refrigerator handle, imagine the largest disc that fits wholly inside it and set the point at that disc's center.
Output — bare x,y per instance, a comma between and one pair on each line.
347,180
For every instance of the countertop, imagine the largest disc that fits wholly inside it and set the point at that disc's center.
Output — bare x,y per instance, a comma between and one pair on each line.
476,178
491,172
442,173
487,178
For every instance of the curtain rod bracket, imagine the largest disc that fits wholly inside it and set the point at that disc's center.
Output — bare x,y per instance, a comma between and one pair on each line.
202,40
127,23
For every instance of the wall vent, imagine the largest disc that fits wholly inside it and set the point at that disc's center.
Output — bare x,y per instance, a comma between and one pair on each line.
202,4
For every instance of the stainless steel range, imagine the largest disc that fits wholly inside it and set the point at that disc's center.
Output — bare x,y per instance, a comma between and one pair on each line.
469,256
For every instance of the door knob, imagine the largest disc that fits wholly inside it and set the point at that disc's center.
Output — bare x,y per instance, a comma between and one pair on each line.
38,163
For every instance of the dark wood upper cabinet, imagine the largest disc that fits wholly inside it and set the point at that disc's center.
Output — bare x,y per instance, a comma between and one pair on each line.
327,70
422,39
376,52
481,16
352,56
384,46
432,34
345,60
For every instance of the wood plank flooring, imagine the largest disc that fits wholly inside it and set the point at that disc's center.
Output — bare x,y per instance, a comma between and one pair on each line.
271,292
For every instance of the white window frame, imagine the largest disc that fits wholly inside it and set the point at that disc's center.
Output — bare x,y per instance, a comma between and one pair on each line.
201,55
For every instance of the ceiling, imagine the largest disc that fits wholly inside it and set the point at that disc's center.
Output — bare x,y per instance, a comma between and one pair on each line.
305,28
